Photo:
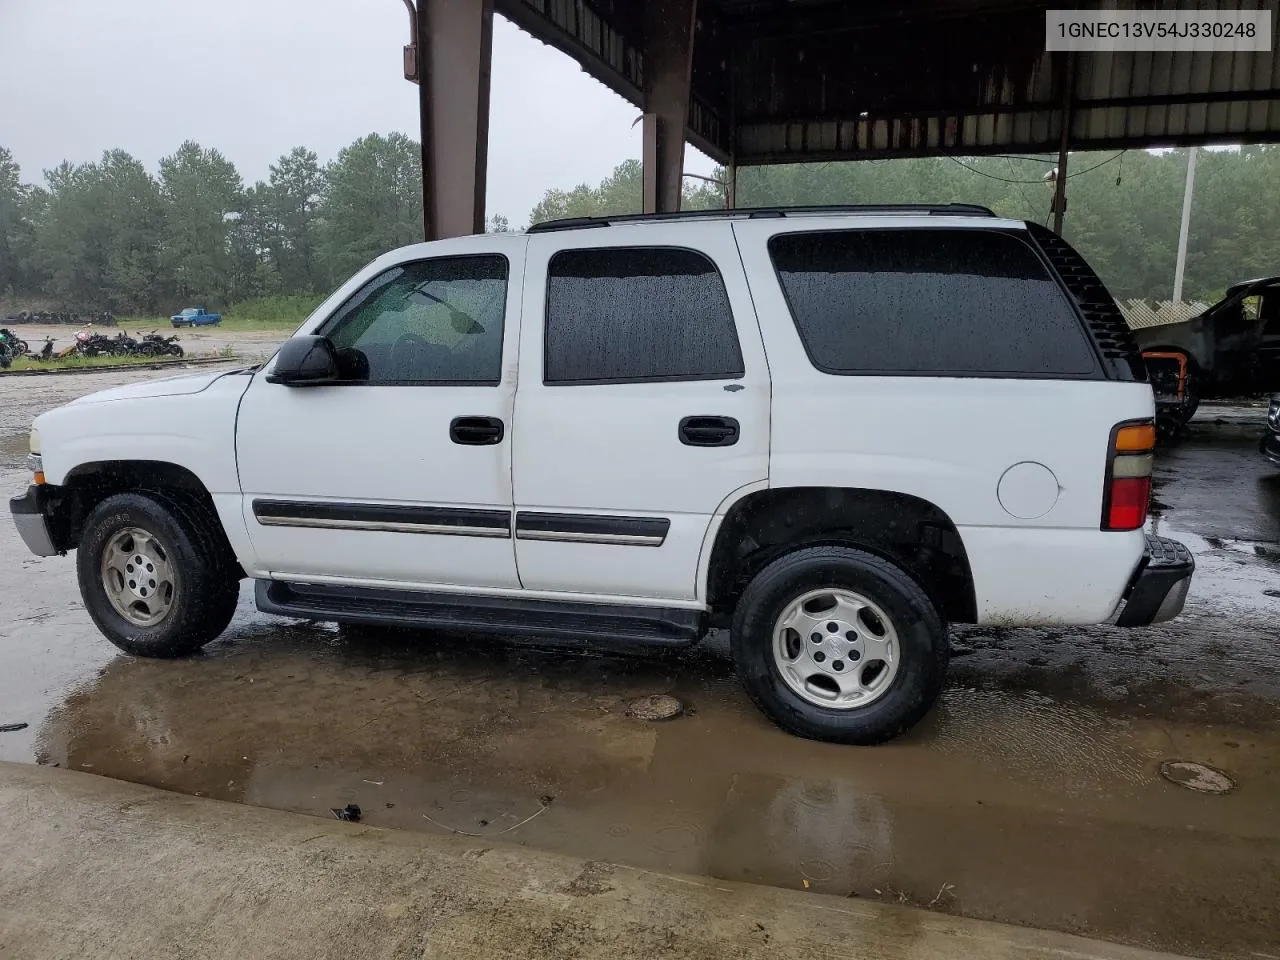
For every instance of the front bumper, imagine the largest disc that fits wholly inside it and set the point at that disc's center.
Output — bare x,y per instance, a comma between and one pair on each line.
1270,447
1160,585
30,516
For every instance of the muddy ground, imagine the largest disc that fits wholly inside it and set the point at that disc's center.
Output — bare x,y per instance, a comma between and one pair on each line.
1032,794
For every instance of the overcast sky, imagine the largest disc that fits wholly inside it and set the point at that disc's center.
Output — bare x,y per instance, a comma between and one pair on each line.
257,77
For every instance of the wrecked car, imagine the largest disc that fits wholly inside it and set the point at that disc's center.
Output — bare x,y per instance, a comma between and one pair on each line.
1230,350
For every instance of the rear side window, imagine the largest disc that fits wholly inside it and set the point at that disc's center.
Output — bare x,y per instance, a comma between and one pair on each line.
635,314
925,301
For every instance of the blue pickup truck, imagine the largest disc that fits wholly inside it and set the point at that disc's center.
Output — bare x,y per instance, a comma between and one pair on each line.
196,317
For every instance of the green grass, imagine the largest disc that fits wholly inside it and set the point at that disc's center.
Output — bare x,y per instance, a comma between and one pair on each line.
293,309
270,313
231,324
266,314
27,363
252,324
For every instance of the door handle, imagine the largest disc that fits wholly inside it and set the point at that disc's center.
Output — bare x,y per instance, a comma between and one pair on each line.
709,431
476,431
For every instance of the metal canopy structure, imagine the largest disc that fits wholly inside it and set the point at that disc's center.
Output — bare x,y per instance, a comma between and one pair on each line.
767,81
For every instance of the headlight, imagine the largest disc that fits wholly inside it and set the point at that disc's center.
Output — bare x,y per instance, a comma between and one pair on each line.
33,443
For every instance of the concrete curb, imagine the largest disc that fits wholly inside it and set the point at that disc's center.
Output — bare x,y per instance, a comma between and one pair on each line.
96,867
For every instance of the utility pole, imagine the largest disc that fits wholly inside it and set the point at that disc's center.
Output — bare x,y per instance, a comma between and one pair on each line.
1059,207
1181,266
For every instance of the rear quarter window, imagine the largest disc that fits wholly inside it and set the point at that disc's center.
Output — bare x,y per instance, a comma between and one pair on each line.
929,302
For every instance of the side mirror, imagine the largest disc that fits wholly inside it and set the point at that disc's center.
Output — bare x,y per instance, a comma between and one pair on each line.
305,362
462,323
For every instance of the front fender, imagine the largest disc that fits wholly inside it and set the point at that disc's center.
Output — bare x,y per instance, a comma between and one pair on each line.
1189,337
195,431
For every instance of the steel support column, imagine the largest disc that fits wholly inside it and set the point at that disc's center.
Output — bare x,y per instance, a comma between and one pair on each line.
668,66
455,52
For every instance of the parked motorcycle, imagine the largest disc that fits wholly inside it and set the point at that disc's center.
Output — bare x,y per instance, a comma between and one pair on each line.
16,347
154,345
6,356
123,345
91,344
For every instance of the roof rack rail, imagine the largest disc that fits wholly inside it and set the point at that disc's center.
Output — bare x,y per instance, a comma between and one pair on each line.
930,209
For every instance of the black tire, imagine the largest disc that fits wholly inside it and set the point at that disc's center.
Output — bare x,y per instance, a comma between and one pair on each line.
1173,421
1191,397
1180,413
206,575
922,639
1170,428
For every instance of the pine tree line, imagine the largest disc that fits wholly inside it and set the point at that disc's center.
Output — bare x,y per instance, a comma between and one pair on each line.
111,235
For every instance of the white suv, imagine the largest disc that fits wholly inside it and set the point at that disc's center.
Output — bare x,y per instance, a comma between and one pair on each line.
832,431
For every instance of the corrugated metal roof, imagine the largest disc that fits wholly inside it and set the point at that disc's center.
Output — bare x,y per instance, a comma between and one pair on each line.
786,81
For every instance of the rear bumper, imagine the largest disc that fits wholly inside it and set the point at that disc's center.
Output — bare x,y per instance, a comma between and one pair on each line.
30,516
1160,584
1270,447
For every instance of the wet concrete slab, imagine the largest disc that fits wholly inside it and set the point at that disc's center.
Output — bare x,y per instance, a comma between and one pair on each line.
1011,805
1031,795
98,867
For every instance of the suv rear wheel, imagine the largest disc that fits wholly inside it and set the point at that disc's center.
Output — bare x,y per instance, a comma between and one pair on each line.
833,643
155,575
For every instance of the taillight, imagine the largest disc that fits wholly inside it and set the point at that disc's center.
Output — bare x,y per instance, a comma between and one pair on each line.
1127,495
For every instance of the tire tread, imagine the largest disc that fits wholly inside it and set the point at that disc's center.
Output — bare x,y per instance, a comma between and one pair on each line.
882,720
212,584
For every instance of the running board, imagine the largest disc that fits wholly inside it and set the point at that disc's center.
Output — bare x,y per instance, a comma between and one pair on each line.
600,625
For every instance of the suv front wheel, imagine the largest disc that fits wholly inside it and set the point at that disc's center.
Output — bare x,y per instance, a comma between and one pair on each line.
155,574
833,643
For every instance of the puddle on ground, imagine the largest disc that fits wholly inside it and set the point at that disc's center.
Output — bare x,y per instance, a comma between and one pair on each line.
1058,745
1219,486
516,745
1232,572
